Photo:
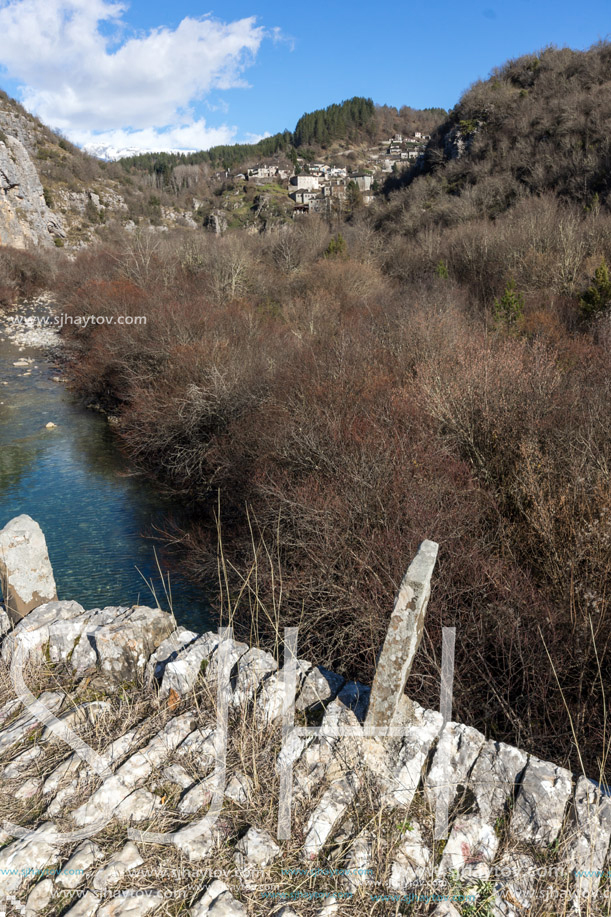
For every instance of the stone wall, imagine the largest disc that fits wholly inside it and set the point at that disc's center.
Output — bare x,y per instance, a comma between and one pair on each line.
364,787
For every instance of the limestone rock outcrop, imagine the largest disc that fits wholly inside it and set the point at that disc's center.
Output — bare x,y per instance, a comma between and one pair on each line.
25,218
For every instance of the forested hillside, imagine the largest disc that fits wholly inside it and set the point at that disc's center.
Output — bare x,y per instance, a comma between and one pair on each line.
539,124
356,120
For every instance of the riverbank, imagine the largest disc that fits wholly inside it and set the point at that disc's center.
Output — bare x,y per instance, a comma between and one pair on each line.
60,460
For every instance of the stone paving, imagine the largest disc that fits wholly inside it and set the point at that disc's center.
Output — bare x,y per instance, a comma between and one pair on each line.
514,820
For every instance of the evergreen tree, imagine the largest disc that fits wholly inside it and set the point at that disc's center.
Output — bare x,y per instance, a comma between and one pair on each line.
597,297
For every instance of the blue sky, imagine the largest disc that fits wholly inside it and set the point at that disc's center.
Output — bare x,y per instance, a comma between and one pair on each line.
147,76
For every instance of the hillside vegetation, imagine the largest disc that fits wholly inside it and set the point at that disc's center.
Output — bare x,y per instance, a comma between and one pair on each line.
354,121
438,366
539,124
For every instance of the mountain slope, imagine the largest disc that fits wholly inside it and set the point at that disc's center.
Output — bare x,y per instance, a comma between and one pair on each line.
539,124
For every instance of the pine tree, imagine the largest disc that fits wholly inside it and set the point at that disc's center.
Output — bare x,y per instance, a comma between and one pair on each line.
509,309
597,297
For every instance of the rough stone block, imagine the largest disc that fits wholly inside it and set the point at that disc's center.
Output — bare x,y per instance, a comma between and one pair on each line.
26,577
402,639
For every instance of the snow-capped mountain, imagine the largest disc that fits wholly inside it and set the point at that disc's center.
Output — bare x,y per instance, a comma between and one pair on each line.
110,153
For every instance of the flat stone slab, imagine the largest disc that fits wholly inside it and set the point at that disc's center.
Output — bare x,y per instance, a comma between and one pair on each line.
360,861
181,673
402,638
74,872
541,802
470,849
270,699
85,906
132,904
319,688
256,848
120,643
109,796
515,884
400,776
27,723
118,865
57,625
456,752
328,813
217,901
253,667
588,837
40,896
27,856
166,652
413,860
494,776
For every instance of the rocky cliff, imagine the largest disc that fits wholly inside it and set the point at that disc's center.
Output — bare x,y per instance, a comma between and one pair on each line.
149,769
24,216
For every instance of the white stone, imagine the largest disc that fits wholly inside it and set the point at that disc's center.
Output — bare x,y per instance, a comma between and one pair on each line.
40,896
82,714
217,901
177,775
330,907
197,797
493,778
400,777
139,806
27,723
117,787
181,673
470,849
402,638
132,904
56,624
239,789
515,884
445,909
85,906
359,862
26,577
200,744
256,848
456,751
412,860
540,804
28,855
253,667
166,652
29,789
319,687
588,837
123,861
21,762
327,814
124,644
270,699
74,872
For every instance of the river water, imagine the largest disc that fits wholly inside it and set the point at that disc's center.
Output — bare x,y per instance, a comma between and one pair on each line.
97,516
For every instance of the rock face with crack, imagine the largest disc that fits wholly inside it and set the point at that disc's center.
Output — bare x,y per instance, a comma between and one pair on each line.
25,218
541,803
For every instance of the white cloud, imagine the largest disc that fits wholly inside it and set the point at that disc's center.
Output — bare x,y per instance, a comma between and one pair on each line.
82,75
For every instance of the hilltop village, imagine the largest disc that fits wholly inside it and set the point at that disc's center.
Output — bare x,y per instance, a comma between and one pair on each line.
325,187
